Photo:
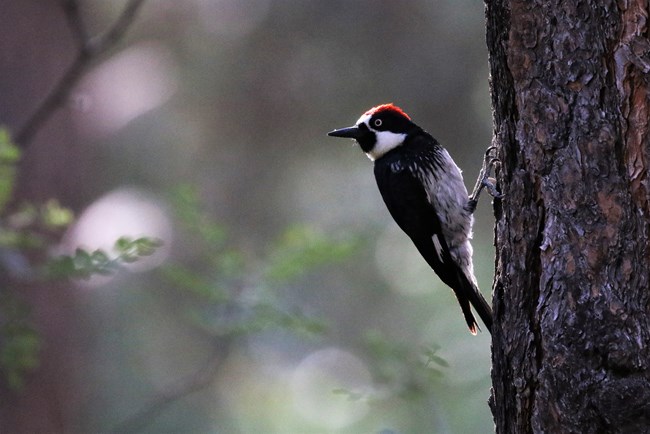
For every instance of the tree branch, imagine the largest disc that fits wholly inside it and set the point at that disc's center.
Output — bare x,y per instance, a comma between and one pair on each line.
75,22
89,50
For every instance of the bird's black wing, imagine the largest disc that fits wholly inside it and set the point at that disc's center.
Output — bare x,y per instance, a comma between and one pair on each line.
406,199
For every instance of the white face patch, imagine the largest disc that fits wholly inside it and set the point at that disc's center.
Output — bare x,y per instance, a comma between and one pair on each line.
386,140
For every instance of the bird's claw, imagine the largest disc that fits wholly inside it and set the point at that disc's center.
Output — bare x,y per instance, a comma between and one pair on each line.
491,185
484,180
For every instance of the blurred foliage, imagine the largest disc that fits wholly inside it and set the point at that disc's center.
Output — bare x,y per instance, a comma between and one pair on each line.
33,227
229,295
19,342
84,264
224,292
398,369
235,296
9,155
27,235
243,94
300,248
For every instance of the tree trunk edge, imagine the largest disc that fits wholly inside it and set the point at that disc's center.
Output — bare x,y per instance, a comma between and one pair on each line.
521,371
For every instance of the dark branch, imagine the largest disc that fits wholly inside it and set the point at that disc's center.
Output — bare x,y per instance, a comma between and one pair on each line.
75,22
89,50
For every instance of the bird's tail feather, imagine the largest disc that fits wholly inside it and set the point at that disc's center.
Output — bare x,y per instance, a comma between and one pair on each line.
466,290
468,293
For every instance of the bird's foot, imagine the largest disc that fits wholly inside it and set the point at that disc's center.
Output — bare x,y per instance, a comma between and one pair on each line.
484,180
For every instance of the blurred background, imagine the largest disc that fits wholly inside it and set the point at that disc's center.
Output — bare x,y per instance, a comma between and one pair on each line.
284,299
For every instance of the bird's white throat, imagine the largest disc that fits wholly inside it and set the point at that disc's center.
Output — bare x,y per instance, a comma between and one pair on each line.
386,141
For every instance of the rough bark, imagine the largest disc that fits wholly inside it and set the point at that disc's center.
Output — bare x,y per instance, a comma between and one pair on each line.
570,92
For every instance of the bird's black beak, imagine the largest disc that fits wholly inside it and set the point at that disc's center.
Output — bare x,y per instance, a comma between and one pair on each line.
351,132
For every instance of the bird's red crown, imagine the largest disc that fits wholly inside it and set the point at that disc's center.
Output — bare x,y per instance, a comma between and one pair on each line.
387,107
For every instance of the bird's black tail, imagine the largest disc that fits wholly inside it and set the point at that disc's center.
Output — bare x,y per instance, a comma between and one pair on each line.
468,293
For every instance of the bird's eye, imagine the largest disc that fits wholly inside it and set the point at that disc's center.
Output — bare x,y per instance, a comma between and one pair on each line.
378,122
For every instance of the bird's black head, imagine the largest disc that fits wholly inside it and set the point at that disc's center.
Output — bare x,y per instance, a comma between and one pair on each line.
378,130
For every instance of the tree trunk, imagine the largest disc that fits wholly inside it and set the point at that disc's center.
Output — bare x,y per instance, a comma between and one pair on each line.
571,99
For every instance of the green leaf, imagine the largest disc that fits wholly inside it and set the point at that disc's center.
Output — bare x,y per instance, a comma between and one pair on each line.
9,152
123,244
146,246
84,264
55,216
9,156
432,357
99,257
130,250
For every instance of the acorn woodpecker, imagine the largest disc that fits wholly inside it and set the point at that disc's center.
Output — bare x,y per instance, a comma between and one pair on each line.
425,194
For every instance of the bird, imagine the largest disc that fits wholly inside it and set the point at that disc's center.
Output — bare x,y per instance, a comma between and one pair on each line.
425,194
